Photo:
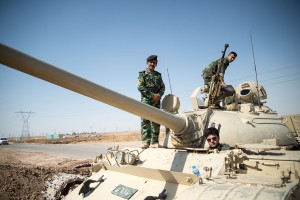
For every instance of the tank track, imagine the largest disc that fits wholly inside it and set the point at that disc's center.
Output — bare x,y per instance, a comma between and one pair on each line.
60,185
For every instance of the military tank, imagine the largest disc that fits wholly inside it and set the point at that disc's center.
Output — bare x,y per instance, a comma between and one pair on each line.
261,165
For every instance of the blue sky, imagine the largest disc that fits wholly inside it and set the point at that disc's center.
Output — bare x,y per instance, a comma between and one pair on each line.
107,42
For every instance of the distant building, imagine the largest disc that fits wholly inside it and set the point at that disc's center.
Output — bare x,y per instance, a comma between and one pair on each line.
53,136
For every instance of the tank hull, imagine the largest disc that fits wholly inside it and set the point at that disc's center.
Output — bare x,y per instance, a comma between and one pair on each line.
171,169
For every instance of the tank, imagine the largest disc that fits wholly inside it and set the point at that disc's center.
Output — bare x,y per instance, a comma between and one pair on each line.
262,164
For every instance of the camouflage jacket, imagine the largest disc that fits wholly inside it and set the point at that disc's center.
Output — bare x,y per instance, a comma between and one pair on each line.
222,147
149,84
211,69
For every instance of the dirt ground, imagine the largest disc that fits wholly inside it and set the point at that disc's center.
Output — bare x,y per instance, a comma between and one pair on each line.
23,174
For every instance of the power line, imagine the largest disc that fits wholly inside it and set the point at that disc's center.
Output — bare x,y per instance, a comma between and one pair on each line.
281,76
281,68
78,113
276,83
265,72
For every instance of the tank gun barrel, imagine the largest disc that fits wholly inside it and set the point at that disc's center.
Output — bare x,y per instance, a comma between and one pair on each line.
32,66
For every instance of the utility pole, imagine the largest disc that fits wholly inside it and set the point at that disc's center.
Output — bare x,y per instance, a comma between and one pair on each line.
25,116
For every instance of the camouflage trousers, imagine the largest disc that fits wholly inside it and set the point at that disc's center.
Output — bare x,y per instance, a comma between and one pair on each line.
149,131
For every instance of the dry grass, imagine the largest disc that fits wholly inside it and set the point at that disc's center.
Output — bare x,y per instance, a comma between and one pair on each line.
107,137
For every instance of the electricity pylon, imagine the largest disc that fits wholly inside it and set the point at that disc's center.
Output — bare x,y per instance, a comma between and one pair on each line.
25,129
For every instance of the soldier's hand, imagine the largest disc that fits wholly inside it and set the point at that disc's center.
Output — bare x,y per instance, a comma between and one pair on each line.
224,84
156,98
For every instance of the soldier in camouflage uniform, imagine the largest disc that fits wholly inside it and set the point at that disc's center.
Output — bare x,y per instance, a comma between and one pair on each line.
211,69
212,136
152,88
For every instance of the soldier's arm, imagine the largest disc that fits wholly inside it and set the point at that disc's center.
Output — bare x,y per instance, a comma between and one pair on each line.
162,88
223,67
222,74
222,81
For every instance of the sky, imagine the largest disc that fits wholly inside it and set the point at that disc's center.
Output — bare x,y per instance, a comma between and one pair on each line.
107,42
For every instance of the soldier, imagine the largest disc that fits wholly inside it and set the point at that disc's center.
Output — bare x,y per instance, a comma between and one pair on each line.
152,88
213,139
211,69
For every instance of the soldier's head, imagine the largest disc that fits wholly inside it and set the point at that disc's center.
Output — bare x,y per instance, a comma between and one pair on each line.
152,62
212,137
231,56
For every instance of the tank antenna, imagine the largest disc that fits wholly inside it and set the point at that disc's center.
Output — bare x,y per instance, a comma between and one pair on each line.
255,72
169,81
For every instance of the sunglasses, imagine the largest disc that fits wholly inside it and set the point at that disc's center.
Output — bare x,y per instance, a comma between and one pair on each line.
210,139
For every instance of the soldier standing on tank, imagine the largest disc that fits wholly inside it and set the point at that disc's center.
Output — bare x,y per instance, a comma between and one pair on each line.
152,88
211,69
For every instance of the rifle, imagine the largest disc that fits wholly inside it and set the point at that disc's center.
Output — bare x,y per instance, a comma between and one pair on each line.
215,86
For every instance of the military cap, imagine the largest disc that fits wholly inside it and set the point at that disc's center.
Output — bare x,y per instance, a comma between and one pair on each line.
152,57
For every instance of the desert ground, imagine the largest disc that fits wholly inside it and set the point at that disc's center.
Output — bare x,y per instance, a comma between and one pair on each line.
23,174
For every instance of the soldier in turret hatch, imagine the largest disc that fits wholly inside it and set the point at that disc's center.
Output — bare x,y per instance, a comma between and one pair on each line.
152,88
213,138
211,69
